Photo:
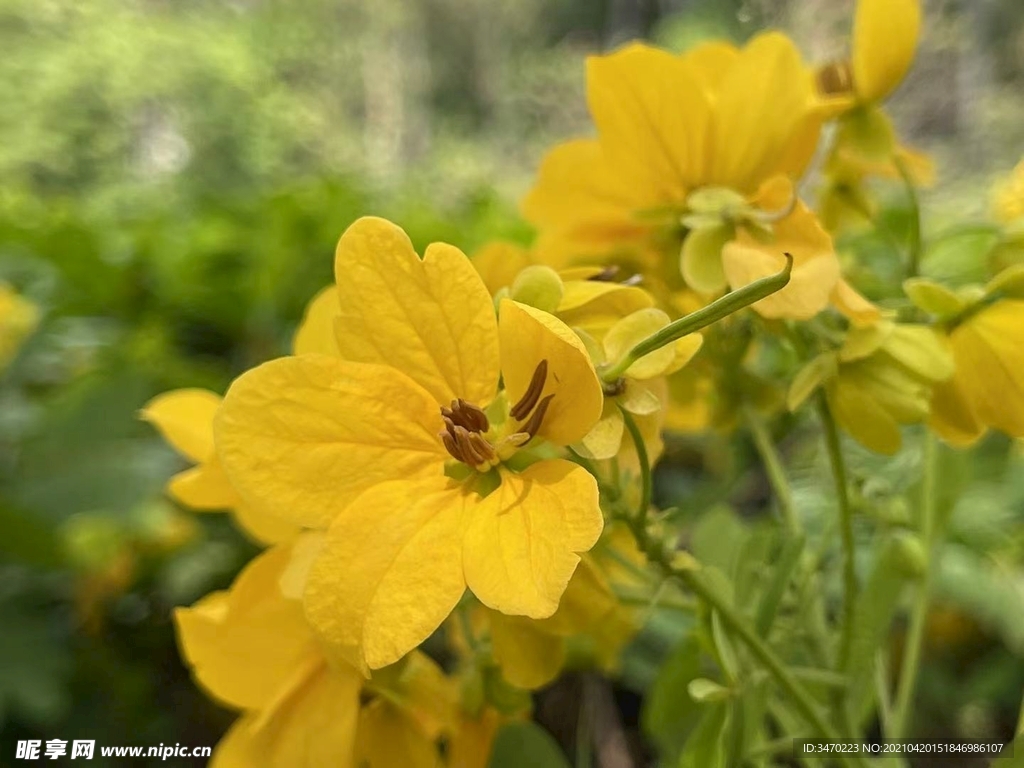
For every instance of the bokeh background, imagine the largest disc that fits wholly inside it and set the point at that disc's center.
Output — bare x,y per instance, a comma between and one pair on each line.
173,178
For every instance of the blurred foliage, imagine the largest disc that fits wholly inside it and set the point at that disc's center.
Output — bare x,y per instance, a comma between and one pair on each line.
175,177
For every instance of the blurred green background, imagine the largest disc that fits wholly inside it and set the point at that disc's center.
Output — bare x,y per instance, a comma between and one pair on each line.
173,179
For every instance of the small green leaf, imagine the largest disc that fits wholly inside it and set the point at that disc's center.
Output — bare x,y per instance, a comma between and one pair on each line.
707,691
526,744
669,714
932,297
704,747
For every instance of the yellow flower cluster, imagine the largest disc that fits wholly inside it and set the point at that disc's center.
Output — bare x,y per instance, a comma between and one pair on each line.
440,452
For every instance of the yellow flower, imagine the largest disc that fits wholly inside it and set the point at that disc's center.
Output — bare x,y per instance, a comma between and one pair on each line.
185,419
882,377
18,318
1008,197
696,152
251,649
399,447
987,388
640,389
588,299
885,36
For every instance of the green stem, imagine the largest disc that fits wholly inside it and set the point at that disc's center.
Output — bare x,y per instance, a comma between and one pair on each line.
919,613
703,317
646,489
914,244
773,468
835,455
731,618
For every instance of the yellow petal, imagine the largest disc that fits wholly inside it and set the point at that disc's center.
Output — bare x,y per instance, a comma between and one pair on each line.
763,102
203,487
598,297
315,333
953,416
587,601
885,36
244,645
920,349
528,657
390,571
605,438
432,318
529,336
576,191
631,330
522,541
313,723
815,266
185,419
300,437
426,696
263,528
852,305
865,420
701,258
809,378
990,365
387,739
499,262
651,117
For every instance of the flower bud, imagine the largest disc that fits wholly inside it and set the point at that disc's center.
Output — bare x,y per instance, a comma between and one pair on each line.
538,286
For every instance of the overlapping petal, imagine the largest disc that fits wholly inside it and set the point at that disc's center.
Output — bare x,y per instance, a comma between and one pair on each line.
391,570
885,36
431,318
301,437
529,336
522,541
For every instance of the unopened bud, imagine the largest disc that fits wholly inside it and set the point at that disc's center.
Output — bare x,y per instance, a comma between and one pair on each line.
538,286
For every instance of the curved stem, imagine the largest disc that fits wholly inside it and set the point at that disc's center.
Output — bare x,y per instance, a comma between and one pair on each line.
835,455
639,522
703,317
919,614
773,468
914,246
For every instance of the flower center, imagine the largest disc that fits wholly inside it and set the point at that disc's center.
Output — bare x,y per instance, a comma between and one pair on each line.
469,437
835,78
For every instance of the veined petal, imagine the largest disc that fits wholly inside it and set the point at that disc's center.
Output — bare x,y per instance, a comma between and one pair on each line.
315,334
815,266
245,644
764,98
529,658
529,336
651,117
990,365
185,419
312,724
885,36
433,318
522,541
300,437
390,571
576,188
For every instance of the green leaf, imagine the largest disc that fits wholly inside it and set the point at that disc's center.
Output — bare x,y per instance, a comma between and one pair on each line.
669,714
522,744
876,606
783,572
704,748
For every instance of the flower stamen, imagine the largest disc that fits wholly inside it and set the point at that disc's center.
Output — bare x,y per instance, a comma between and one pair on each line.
835,78
529,399
531,427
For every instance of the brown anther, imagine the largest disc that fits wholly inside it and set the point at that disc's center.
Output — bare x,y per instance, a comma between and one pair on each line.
482,447
533,424
529,399
451,446
606,275
472,417
469,449
835,78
